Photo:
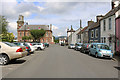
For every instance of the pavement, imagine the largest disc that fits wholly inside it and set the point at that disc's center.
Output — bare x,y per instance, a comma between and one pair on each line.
60,62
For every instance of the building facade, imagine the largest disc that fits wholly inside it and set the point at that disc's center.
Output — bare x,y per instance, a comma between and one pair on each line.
24,30
117,31
94,33
107,25
73,38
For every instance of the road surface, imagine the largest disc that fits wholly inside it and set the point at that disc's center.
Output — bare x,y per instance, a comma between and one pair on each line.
61,62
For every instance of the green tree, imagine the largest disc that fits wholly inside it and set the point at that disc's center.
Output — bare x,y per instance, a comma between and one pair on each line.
37,34
8,37
25,38
3,25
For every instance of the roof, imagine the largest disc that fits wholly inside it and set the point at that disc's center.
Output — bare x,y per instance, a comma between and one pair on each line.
31,27
111,12
96,24
83,29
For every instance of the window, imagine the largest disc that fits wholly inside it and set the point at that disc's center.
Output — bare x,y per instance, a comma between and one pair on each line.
110,26
78,36
47,40
92,33
104,40
101,40
104,25
96,33
28,33
20,34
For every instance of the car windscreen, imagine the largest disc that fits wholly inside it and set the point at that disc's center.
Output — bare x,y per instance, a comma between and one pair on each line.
79,44
10,44
72,44
102,46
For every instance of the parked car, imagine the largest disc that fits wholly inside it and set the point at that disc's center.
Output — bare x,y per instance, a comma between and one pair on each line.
85,48
46,44
33,48
71,46
39,46
9,51
78,46
100,50
62,44
23,44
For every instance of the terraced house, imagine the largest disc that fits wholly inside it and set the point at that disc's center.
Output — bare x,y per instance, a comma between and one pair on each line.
94,30
107,25
24,30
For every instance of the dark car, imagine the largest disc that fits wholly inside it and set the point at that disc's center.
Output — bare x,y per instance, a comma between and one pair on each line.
46,44
23,44
85,48
62,44
78,46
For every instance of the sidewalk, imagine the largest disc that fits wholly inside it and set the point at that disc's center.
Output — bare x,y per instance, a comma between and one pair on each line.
117,57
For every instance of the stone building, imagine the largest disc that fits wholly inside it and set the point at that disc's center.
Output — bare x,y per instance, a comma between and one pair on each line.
23,29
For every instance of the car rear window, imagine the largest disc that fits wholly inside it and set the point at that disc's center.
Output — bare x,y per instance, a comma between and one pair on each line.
10,44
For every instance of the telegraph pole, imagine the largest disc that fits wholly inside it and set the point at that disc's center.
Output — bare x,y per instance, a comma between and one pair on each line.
80,29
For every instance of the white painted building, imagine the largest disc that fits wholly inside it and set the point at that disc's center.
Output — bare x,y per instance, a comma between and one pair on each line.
73,38
107,25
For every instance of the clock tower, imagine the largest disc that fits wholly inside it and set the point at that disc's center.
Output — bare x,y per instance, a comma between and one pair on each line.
20,21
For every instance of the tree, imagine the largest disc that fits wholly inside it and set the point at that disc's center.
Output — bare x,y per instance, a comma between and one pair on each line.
9,37
3,25
37,34
25,38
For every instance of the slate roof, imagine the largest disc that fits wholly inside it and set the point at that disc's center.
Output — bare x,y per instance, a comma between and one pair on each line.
31,27
111,12
83,29
96,24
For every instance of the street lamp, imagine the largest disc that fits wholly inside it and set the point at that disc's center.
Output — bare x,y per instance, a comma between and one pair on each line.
25,23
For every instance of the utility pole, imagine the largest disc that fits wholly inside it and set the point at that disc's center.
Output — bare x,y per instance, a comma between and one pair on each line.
80,30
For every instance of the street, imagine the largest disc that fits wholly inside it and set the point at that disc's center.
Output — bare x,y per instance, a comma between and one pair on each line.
60,62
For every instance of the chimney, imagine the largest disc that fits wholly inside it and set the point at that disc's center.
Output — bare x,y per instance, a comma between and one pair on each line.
51,27
99,17
90,22
115,3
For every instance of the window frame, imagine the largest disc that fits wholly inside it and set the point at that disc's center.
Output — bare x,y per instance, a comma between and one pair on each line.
92,33
110,23
104,25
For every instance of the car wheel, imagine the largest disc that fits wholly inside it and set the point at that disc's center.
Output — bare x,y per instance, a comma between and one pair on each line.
4,59
96,55
84,51
89,53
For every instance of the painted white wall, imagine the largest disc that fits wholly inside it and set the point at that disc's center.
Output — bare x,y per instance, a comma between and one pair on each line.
72,39
117,13
108,32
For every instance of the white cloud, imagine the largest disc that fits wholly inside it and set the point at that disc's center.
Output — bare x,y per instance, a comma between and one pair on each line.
62,15
54,27
12,27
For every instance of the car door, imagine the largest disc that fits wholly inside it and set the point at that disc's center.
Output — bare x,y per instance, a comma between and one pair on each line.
94,49
91,49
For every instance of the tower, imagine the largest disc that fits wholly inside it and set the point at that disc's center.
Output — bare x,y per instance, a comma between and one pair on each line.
20,21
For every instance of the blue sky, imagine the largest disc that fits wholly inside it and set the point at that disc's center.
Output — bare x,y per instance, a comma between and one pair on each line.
61,14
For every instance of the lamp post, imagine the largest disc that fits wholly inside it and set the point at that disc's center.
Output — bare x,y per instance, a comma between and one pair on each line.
25,30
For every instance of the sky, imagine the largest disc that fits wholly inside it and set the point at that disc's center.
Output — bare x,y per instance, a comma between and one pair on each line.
60,13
